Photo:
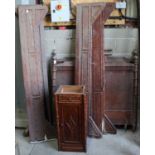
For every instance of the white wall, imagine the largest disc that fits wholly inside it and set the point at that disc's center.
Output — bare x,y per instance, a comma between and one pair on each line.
122,41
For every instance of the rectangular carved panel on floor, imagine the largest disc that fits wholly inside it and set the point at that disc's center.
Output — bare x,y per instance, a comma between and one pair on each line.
89,61
30,22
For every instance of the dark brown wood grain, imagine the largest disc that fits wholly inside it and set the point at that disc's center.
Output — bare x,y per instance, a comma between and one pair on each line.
38,1
89,62
71,116
136,92
30,22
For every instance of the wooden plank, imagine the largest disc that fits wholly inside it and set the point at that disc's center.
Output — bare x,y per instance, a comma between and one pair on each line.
89,61
47,2
30,22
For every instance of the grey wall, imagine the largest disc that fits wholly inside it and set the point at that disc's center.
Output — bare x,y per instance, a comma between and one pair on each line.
61,40
122,41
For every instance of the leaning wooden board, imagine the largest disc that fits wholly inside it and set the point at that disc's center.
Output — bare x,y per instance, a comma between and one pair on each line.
47,21
89,59
31,24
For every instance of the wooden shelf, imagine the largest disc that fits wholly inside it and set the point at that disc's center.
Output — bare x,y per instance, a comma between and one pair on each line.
115,13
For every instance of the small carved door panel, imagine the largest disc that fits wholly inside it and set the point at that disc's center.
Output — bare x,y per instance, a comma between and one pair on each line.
70,122
71,116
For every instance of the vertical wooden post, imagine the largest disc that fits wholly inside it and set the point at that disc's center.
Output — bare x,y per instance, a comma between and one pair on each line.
30,22
89,64
135,93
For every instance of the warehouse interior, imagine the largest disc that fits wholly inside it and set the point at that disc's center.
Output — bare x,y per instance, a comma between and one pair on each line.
109,125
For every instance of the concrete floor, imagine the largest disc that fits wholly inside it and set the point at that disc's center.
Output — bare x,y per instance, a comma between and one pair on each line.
123,143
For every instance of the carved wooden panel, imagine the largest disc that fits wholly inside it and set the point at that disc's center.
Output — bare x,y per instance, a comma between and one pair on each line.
89,64
71,114
30,22
71,123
